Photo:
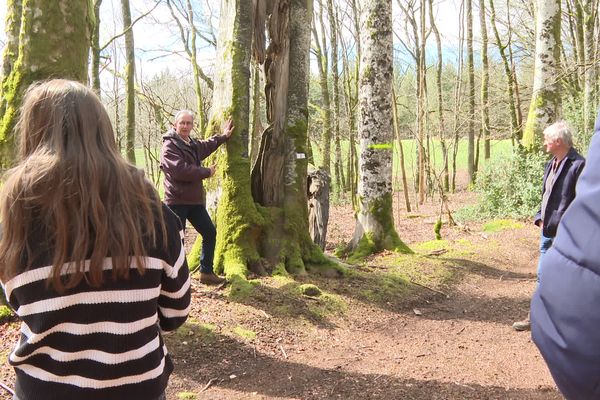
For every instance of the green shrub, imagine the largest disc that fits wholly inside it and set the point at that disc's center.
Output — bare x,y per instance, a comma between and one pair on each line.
510,187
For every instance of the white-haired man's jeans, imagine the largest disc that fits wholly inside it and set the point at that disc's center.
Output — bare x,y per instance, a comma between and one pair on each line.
545,244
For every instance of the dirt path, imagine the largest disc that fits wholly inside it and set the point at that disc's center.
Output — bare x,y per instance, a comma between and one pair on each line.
372,336
461,346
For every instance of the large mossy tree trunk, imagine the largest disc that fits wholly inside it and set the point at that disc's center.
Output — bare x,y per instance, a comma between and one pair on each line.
545,105
262,220
239,222
52,44
374,230
11,47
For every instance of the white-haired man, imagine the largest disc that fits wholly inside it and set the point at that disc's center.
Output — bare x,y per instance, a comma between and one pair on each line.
558,190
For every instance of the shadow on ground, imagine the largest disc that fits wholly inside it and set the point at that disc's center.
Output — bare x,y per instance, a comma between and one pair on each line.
269,376
391,289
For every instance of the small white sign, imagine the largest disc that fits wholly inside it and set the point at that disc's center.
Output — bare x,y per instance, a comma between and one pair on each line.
300,156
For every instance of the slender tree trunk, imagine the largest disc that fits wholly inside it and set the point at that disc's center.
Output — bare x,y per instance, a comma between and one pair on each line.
95,48
321,51
333,28
485,81
471,80
440,100
422,103
545,105
401,151
374,230
458,95
130,83
590,11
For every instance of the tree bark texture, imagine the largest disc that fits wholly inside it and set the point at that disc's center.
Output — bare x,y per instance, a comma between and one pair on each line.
95,48
130,83
545,105
485,81
374,230
238,220
322,51
53,43
471,79
262,221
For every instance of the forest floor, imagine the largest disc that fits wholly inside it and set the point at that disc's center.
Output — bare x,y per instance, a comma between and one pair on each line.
433,325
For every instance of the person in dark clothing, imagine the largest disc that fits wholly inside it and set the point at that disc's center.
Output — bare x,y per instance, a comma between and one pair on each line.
181,161
558,190
565,322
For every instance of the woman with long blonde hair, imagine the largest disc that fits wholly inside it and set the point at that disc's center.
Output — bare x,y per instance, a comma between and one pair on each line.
90,260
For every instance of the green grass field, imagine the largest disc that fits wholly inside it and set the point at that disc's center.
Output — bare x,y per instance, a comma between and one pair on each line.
499,148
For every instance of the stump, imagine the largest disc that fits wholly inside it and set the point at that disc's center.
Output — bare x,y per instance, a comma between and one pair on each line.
318,206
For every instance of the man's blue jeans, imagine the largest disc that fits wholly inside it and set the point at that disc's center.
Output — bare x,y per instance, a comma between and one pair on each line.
200,220
545,244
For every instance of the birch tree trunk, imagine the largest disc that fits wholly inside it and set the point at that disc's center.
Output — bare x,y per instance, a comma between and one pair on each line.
374,230
130,83
53,42
545,105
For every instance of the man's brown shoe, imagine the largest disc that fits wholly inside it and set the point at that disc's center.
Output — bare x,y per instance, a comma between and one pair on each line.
209,278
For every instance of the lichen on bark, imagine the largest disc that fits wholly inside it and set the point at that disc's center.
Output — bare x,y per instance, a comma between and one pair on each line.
374,230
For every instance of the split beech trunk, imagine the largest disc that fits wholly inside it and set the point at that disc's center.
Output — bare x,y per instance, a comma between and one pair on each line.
374,230
545,105
52,43
262,219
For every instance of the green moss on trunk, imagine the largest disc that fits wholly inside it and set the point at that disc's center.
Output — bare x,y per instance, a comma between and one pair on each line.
53,44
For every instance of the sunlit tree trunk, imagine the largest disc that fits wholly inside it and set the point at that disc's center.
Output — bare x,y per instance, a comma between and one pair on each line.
321,52
53,42
130,83
471,91
440,100
545,105
274,234
11,48
485,81
374,230
95,48
333,29
590,13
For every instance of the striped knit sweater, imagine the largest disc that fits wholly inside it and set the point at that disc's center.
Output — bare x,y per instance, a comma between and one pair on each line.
100,343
